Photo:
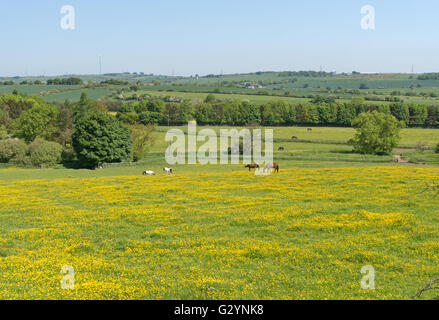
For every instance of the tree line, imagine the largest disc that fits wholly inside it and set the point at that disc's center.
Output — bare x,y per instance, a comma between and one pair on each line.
65,81
275,113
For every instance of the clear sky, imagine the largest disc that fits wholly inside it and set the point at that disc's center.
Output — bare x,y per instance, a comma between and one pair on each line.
186,37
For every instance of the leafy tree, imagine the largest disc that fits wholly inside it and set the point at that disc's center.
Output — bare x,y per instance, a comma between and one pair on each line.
346,114
278,113
83,106
186,112
65,81
143,139
128,117
430,121
3,132
44,153
418,114
149,117
401,112
376,133
65,124
139,107
383,108
15,104
218,109
231,113
5,120
40,121
327,114
252,112
130,108
171,114
357,101
155,105
210,98
307,113
205,114
100,106
322,99
99,138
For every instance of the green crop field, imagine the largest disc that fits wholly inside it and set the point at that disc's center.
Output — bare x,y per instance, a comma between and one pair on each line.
57,93
36,89
74,95
268,86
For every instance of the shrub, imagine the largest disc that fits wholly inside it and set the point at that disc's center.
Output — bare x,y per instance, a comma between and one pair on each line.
12,149
44,153
376,133
23,160
210,98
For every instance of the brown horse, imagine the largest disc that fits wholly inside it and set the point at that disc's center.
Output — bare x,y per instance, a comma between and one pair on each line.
274,166
252,166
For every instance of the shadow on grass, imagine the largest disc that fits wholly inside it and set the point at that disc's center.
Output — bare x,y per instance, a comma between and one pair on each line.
73,164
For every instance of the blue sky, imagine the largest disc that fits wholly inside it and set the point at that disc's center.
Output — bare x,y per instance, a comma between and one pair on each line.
187,37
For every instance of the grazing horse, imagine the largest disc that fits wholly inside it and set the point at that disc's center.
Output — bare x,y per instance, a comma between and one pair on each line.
148,173
309,129
281,149
294,138
167,170
269,166
252,166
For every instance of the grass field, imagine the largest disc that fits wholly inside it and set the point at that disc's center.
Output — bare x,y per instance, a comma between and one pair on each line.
217,233
323,135
220,232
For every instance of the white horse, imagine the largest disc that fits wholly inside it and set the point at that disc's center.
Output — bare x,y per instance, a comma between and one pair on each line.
167,170
148,173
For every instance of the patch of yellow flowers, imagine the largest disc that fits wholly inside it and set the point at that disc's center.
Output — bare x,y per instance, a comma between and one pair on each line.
299,234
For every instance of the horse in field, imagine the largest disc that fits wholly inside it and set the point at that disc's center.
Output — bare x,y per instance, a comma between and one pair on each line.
273,166
252,166
309,129
167,170
148,173
281,149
